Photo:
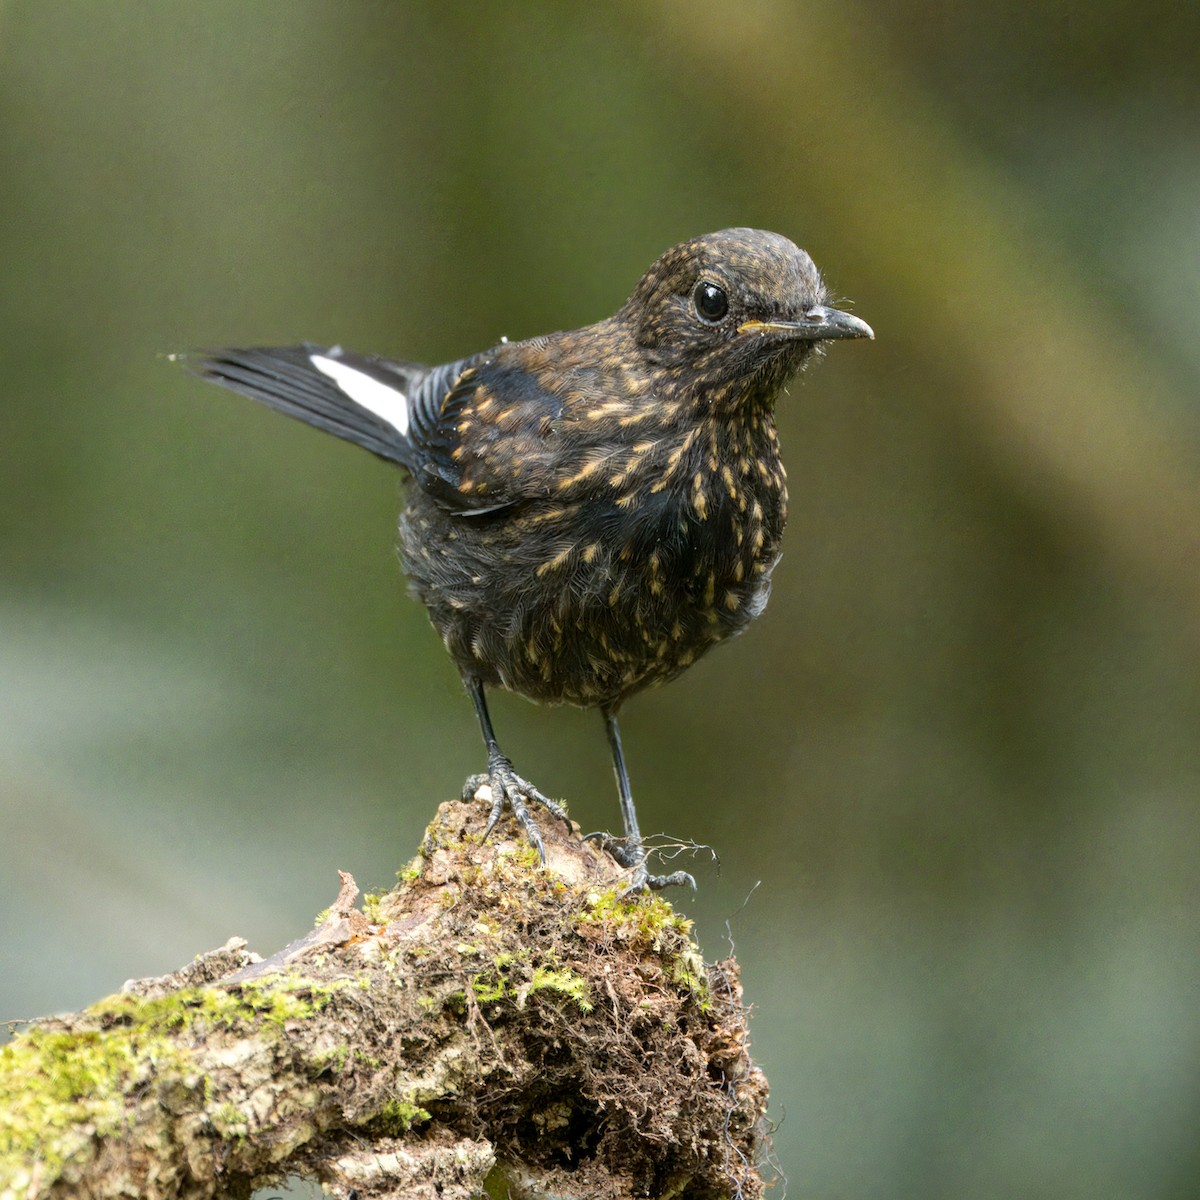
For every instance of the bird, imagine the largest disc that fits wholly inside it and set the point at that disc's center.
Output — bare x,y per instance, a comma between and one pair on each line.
589,511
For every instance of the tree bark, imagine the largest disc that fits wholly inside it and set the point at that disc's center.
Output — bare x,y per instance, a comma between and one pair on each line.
487,1028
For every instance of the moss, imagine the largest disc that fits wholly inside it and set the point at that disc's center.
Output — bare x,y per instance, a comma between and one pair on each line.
273,1000
501,981
71,1082
649,923
75,1081
399,1116
688,972
644,917
489,986
440,835
524,855
334,1059
494,983
229,1122
566,983
372,907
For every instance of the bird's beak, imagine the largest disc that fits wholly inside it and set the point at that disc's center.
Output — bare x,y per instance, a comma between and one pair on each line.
818,324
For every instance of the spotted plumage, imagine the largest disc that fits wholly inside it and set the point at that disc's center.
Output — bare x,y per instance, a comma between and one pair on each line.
591,510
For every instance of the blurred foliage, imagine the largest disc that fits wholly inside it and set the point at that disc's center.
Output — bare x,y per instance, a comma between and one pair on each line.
960,749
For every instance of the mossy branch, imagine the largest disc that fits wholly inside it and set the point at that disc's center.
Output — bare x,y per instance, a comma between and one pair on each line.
488,1028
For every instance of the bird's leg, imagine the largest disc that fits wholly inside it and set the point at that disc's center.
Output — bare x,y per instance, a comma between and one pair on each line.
507,787
629,851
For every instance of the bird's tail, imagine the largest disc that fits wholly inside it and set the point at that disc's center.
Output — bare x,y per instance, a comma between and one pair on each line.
364,399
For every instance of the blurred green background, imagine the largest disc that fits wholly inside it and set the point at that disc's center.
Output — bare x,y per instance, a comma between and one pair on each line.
960,750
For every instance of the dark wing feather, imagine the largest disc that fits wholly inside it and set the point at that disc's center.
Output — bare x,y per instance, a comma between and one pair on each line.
285,378
475,434
484,445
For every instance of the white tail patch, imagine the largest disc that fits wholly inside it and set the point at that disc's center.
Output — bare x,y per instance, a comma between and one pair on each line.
388,403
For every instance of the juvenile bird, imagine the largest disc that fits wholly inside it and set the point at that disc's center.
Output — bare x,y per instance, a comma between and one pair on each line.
592,510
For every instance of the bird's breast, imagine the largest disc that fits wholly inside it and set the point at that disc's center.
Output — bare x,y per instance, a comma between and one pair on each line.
642,556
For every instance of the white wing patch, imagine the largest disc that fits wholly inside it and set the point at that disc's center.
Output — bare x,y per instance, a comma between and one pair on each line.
388,403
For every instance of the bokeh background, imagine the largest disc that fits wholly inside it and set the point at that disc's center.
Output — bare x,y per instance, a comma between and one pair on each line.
959,754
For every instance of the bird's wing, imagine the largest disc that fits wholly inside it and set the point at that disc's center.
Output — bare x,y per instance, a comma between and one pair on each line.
362,398
485,437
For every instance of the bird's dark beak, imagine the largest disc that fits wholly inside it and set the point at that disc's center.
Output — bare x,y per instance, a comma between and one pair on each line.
818,324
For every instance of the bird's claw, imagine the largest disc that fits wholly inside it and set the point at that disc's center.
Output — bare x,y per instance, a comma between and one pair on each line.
618,848
510,790
633,857
643,881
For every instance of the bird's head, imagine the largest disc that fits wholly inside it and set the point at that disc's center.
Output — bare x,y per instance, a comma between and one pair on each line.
734,312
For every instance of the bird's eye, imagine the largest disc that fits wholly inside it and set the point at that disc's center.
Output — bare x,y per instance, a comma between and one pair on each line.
710,300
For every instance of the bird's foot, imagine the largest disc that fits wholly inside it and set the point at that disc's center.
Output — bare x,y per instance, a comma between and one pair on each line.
632,855
510,790
642,881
